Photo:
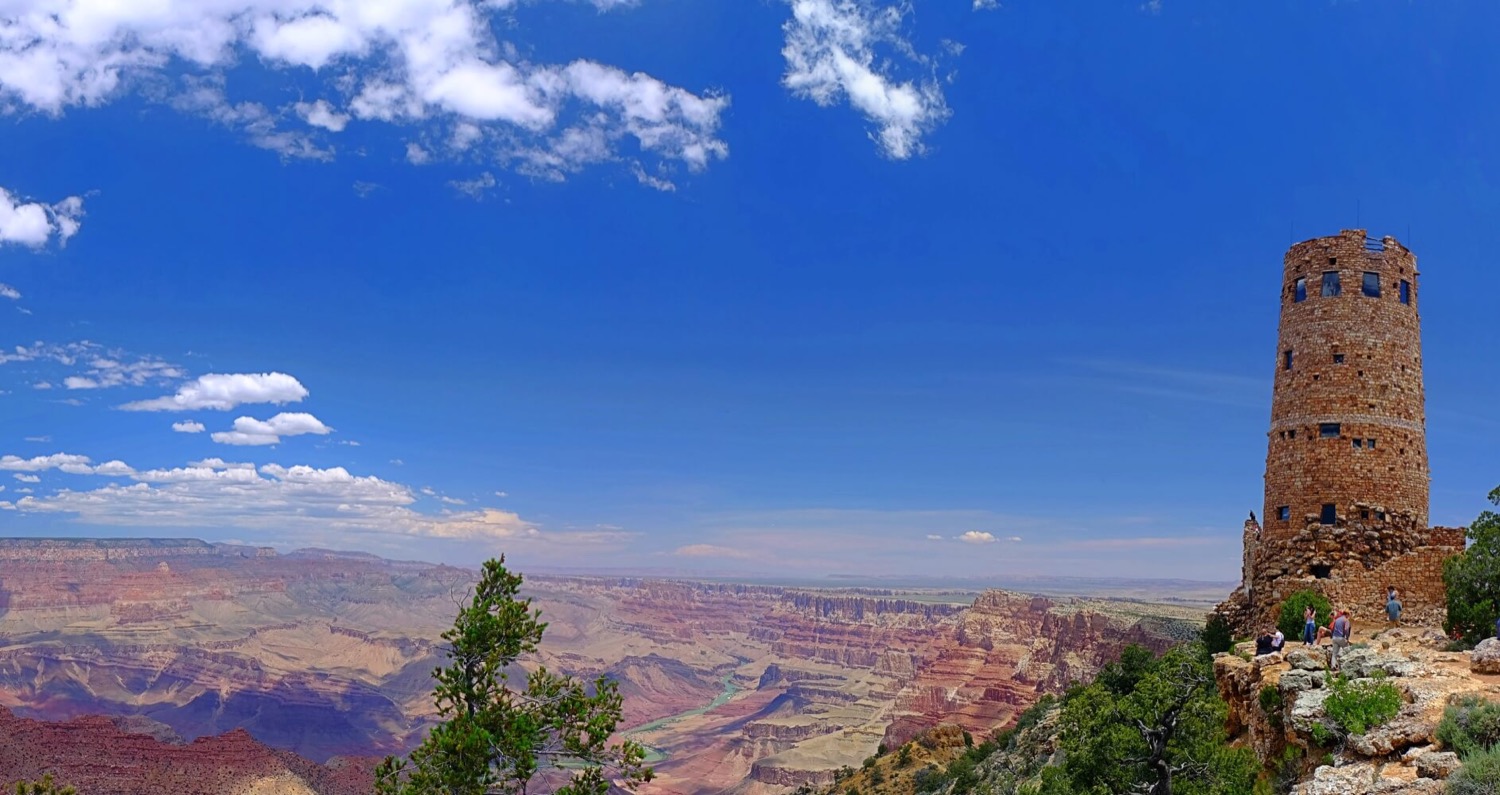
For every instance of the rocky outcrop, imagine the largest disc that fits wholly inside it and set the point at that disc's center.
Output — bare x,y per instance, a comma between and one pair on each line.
95,755
1276,703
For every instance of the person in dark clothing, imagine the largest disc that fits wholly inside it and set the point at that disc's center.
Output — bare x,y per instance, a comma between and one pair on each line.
1263,644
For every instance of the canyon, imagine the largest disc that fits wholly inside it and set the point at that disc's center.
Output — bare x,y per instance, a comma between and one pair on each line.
327,656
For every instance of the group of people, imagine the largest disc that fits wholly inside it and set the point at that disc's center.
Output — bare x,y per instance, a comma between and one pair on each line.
1339,629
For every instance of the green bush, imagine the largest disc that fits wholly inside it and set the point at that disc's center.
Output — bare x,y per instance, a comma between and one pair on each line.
44,787
1217,636
1473,580
1359,706
1470,725
1480,775
1271,703
1290,619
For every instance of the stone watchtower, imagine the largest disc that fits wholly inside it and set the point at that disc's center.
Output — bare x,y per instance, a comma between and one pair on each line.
1347,478
1348,422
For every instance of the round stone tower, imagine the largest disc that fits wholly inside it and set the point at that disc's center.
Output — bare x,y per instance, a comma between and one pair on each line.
1348,420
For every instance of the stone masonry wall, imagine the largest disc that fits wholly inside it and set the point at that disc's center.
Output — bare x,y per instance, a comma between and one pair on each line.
1355,362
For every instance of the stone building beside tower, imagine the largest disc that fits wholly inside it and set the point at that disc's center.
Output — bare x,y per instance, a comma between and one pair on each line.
1347,478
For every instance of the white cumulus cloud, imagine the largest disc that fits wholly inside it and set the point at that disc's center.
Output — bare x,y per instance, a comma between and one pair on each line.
977,537
225,391
188,426
25,478
219,494
321,114
251,431
431,65
6,291
72,464
35,223
841,50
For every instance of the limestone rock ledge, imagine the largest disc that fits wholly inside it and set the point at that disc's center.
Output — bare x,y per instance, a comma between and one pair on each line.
1401,757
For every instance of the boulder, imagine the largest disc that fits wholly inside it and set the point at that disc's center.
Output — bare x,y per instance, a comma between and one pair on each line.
1368,777
1307,709
1361,663
1398,735
1297,681
1308,658
1485,659
1434,764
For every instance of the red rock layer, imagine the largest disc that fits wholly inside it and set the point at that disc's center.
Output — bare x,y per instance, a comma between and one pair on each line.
98,757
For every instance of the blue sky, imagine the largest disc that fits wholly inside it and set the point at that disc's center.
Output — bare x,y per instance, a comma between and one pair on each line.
791,288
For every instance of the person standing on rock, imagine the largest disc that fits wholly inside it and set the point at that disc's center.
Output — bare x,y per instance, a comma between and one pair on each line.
1310,626
1340,630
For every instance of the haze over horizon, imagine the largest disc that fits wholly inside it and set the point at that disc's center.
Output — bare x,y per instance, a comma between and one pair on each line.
799,288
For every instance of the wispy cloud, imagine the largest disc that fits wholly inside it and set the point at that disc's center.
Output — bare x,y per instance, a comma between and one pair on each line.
1206,386
852,50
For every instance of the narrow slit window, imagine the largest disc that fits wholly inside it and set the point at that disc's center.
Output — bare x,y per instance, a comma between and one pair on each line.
1286,360
1359,444
1330,513
1299,291
1371,285
1284,513
1329,430
1331,288
1405,291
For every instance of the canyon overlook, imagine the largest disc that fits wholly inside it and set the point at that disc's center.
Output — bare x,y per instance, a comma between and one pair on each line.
751,688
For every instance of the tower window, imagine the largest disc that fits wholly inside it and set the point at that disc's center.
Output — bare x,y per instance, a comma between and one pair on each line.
1359,444
1329,430
1284,513
1371,285
1292,434
1331,287
1299,291
1330,513
1321,571
1405,291
1286,360
1364,514
1338,358
1370,443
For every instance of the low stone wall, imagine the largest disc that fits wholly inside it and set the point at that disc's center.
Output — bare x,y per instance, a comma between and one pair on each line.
1350,563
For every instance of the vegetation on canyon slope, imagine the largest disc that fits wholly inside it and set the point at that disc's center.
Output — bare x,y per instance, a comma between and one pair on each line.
495,738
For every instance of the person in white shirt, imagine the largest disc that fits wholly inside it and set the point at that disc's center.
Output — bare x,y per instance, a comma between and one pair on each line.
1277,640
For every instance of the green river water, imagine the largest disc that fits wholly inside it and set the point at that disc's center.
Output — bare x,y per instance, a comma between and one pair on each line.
654,755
